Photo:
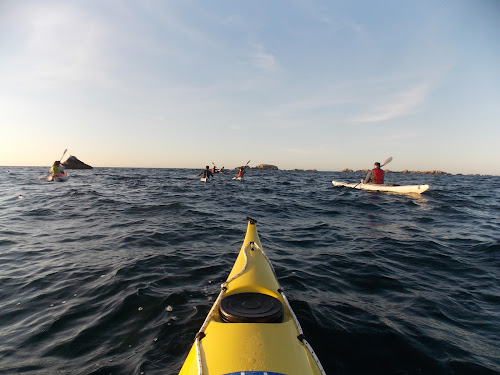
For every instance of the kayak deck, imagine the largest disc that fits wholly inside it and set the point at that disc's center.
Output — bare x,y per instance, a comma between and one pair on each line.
257,347
402,189
58,177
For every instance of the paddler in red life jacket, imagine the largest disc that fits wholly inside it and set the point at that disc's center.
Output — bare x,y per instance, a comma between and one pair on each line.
375,176
56,168
241,172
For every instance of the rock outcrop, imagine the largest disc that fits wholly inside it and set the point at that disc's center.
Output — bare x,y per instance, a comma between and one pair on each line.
73,163
424,172
266,167
406,171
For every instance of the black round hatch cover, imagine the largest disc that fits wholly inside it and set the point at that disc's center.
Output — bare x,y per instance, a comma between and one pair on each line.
251,308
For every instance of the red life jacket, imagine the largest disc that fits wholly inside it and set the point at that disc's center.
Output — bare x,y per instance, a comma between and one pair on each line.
379,176
213,170
240,173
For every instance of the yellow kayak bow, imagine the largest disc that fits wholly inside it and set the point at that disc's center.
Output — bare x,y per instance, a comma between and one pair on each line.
251,328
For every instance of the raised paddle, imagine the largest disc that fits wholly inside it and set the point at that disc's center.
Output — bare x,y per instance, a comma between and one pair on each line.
387,161
64,153
246,165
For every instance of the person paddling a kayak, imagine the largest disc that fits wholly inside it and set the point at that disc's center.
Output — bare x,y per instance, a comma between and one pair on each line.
206,173
241,172
374,176
56,168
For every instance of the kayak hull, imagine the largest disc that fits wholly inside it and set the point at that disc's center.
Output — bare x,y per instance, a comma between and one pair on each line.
251,347
402,189
58,177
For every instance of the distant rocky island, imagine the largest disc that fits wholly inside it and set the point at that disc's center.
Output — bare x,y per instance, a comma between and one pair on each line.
266,167
73,163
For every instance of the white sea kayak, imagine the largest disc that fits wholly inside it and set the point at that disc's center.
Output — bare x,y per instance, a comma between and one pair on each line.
402,189
204,179
238,178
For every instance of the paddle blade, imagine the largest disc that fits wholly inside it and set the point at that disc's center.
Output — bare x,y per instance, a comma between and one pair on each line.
387,161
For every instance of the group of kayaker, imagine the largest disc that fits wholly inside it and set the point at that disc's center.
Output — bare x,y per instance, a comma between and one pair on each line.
207,173
374,176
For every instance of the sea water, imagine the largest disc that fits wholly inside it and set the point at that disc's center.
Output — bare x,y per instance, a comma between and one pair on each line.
114,270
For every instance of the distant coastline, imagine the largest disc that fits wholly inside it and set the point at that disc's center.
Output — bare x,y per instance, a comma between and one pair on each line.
270,167
405,171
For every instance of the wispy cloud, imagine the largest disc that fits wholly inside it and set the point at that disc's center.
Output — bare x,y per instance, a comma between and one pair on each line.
341,24
261,58
403,103
310,104
234,20
317,12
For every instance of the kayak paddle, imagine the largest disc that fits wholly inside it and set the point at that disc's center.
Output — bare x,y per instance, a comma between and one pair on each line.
389,159
64,153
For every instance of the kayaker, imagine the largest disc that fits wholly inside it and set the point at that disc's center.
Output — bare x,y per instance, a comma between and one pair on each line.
206,172
374,176
56,168
214,170
241,172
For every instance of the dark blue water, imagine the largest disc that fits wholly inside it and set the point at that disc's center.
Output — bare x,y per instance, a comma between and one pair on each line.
114,271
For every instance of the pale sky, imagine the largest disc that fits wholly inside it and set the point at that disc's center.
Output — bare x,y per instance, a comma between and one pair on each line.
299,84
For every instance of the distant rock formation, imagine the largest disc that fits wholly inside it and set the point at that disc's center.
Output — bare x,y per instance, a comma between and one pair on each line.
406,171
424,172
266,167
73,163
